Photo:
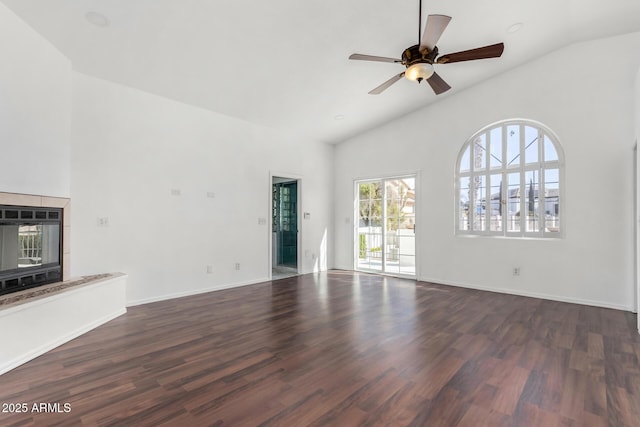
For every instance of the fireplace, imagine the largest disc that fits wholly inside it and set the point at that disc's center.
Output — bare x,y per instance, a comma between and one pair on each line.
30,247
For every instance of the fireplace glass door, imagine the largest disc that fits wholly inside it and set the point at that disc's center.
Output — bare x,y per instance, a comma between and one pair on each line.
30,247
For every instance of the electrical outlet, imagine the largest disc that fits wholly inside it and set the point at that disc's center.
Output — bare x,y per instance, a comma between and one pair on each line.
209,269
211,194
103,221
175,192
237,266
516,271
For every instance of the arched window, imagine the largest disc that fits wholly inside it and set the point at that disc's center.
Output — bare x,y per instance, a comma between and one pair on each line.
509,179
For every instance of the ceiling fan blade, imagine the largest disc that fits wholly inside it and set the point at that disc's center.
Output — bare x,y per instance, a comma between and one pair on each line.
437,84
492,51
360,57
434,28
385,85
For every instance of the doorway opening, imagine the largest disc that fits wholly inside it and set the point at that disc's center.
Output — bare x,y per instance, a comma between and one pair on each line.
284,227
385,239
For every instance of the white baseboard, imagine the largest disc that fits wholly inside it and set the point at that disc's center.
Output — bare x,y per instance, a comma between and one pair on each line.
540,295
195,292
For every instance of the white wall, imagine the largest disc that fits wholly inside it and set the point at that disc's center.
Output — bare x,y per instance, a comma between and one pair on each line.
637,219
131,149
590,107
35,111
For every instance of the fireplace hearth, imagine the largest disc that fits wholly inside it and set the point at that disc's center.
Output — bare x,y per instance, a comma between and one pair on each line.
30,247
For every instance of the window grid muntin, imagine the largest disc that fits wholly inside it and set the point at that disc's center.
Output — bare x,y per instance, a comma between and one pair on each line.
518,165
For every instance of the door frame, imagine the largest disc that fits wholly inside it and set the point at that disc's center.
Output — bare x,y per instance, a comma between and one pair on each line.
355,222
636,231
298,179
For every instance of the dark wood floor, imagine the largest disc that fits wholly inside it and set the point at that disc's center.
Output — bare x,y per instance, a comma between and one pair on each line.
342,349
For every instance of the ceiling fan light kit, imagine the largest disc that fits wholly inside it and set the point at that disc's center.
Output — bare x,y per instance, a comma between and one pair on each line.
419,59
419,72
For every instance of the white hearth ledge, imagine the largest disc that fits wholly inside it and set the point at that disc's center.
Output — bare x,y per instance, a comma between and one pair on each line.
34,325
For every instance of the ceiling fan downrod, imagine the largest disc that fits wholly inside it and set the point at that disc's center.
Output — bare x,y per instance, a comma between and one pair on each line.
419,21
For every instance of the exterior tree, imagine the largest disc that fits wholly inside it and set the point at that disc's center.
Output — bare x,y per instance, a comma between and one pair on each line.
370,203
500,199
532,202
370,208
395,208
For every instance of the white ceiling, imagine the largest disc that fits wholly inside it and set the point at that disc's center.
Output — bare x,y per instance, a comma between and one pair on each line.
283,63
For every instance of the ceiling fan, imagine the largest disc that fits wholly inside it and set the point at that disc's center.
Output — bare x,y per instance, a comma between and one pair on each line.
419,59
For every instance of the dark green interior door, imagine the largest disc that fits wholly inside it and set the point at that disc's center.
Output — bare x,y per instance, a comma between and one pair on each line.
285,222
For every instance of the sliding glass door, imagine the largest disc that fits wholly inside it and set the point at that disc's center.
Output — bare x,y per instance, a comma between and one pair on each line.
385,234
369,235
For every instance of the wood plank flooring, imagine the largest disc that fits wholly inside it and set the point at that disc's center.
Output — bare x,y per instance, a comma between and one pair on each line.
340,349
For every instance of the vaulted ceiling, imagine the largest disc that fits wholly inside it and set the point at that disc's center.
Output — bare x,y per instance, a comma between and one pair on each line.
283,63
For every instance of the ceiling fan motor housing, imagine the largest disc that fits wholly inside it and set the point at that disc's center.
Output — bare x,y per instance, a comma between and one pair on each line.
414,55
